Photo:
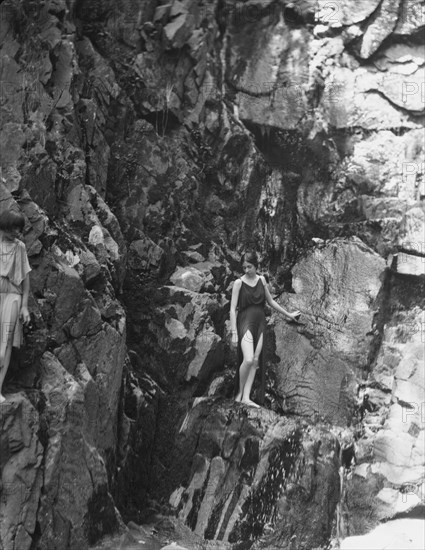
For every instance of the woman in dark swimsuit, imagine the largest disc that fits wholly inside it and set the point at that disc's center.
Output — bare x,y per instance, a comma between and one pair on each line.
249,295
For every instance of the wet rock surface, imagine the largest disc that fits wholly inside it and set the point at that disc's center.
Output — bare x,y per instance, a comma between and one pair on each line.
242,474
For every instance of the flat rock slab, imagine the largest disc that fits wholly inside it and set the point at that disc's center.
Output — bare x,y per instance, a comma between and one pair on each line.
407,264
408,534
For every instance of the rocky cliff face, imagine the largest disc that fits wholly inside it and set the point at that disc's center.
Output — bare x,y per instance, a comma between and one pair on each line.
148,143
254,476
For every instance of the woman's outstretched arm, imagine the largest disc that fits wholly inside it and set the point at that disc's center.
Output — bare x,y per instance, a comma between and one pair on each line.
272,303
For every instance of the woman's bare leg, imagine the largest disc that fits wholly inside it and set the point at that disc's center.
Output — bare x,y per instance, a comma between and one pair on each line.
6,347
246,394
247,348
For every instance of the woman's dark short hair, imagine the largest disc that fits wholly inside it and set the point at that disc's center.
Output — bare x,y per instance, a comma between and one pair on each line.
11,220
251,258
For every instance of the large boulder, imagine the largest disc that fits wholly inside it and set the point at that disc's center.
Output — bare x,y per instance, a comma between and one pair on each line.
271,81
75,487
240,474
336,288
21,472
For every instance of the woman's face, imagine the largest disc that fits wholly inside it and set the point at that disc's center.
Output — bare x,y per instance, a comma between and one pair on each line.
11,234
249,269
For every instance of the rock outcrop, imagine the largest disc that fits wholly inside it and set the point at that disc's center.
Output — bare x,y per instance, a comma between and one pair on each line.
148,144
390,450
56,471
321,363
242,475
21,482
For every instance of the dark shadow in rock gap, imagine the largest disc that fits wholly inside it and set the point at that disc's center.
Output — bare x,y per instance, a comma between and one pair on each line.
163,121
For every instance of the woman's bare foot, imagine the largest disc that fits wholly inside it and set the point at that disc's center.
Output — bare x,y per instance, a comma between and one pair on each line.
238,398
2,398
250,403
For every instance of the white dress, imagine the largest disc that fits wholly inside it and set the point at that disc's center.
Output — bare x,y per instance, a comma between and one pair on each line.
14,267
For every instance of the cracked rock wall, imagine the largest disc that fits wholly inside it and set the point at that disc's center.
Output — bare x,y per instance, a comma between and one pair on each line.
148,143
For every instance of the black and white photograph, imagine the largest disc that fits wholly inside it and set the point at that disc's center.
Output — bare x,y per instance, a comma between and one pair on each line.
212,275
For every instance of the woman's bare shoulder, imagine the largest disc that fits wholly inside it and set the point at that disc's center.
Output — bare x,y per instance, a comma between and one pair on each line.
237,283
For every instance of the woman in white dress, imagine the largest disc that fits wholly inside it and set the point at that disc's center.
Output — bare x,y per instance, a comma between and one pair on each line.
14,288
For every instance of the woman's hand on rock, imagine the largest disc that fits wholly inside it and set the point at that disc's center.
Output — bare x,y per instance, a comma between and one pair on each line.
25,315
295,315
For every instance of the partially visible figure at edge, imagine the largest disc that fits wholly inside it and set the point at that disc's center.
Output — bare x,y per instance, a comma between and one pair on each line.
248,322
14,288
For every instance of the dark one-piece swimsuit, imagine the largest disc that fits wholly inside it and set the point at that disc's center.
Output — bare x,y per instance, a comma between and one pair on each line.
251,317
